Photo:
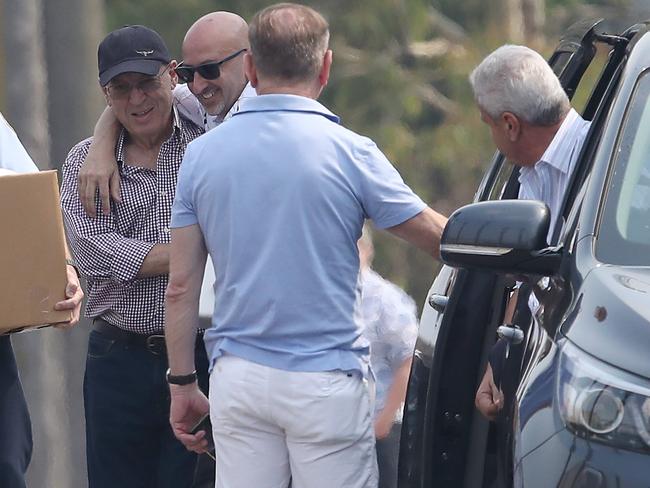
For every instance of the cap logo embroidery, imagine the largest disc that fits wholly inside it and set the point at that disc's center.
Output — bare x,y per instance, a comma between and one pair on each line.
145,53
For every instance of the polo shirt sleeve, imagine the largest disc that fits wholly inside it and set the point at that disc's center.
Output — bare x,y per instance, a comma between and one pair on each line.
386,199
183,213
13,155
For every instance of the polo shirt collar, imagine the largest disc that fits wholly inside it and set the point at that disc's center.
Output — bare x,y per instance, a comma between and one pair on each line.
285,103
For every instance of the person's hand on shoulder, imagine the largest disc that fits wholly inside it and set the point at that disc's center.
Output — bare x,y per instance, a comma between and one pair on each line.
99,171
98,174
489,398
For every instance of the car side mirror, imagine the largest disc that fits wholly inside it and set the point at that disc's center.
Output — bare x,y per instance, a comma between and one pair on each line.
504,235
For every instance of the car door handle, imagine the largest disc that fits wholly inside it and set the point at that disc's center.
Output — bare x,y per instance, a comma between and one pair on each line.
510,333
438,302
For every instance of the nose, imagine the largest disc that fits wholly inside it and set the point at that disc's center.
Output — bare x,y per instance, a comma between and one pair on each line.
136,95
199,83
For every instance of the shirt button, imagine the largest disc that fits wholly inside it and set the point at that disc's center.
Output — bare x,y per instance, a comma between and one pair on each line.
163,193
166,229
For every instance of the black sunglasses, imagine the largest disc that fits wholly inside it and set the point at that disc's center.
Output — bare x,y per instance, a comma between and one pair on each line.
209,71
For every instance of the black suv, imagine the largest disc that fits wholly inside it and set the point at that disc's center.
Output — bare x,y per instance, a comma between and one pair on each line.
576,377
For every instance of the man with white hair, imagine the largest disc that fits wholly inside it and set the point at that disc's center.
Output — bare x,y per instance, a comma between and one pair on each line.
532,123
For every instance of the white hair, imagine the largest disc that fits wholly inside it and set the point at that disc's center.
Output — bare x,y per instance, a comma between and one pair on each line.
517,79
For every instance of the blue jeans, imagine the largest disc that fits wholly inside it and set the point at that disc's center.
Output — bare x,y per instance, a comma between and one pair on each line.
15,426
129,442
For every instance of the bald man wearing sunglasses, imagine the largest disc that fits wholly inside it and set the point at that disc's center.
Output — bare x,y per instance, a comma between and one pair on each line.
212,85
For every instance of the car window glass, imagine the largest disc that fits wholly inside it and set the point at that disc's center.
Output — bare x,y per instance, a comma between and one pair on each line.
498,189
589,79
624,236
560,61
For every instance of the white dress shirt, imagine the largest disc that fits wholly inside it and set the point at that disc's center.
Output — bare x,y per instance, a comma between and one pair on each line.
13,155
548,178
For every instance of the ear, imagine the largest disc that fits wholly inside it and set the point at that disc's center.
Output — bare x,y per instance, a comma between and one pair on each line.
105,93
249,69
172,73
324,75
511,125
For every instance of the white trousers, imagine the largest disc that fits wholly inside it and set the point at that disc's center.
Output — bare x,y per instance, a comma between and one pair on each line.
274,427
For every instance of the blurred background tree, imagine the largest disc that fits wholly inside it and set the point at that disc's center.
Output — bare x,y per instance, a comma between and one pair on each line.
399,76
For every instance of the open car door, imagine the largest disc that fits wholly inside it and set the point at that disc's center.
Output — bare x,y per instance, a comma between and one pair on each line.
444,439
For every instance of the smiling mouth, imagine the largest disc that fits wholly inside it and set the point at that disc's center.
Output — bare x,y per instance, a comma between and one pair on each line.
142,113
208,94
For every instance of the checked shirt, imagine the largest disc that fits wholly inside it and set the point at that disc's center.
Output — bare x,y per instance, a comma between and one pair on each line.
110,249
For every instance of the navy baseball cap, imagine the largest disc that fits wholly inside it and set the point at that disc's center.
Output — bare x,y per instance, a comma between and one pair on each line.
131,49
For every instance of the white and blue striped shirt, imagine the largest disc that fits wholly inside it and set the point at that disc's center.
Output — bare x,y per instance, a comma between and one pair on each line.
547,180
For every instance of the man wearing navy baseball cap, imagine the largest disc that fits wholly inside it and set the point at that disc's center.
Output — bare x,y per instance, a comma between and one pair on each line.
124,254
134,48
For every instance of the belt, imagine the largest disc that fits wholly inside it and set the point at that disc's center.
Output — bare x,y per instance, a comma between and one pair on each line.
154,343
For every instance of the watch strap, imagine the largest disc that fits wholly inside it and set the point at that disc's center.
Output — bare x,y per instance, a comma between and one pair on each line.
181,379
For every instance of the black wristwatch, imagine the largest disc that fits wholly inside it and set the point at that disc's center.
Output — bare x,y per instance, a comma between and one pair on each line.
181,379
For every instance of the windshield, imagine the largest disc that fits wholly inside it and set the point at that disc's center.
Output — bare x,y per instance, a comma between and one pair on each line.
624,236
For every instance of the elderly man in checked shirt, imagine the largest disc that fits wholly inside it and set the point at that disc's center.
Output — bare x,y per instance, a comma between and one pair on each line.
124,254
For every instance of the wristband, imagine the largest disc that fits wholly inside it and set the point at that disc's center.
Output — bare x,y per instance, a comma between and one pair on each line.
181,379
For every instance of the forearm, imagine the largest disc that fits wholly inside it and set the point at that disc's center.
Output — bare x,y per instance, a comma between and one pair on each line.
181,319
187,263
397,390
105,136
423,231
156,262
510,307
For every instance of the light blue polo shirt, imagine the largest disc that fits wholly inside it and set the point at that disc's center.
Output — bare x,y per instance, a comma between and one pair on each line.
280,193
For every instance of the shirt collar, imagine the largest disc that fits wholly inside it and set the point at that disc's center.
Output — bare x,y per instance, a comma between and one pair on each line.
285,103
177,122
555,154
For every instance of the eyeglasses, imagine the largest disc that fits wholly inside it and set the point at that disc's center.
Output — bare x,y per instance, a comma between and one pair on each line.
148,85
209,71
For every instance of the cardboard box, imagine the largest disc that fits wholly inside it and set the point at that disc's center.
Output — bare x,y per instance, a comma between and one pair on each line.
32,252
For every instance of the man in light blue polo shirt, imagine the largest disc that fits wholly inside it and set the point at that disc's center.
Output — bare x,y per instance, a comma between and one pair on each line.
280,211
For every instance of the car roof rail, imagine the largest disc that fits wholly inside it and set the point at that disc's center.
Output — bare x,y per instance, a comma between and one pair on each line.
611,39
